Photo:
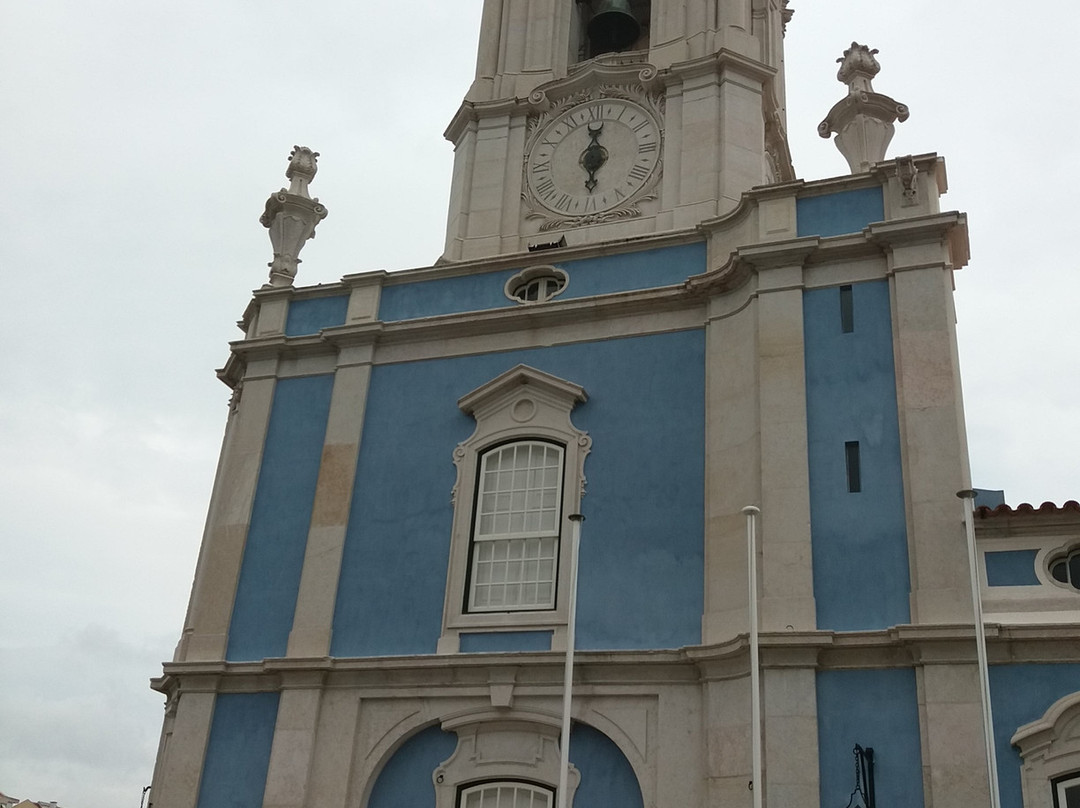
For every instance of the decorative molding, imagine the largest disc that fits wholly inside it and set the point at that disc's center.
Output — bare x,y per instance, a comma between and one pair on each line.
548,104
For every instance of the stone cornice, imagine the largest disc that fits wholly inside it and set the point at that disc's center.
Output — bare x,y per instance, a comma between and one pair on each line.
733,275
899,646
946,228
717,63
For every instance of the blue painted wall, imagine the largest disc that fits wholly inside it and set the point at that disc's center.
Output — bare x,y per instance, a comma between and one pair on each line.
607,779
860,553
504,641
839,213
1019,694
405,781
274,553
588,277
238,752
877,709
1011,568
642,568
310,316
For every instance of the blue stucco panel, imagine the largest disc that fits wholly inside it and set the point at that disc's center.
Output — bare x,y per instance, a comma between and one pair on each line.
483,642
238,752
1020,694
405,780
607,778
1011,568
877,709
588,277
280,516
839,213
860,556
642,568
313,315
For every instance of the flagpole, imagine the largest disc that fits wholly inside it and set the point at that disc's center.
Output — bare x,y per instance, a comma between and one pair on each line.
568,670
751,512
980,644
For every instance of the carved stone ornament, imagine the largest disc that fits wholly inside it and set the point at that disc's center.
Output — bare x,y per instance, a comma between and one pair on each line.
593,155
863,121
291,216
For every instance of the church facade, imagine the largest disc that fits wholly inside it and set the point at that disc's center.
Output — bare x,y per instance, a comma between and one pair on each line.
641,317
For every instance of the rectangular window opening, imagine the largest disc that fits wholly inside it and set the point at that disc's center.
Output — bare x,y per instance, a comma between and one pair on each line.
854,476
847,310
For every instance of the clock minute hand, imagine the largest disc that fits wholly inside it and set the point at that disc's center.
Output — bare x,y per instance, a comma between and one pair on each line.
594,156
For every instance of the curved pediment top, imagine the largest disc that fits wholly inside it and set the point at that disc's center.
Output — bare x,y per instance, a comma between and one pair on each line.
592,77
1060,720
504,388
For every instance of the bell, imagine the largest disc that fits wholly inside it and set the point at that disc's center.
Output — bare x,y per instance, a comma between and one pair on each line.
613,27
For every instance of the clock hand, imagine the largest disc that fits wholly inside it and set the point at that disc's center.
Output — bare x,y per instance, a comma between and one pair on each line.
594,156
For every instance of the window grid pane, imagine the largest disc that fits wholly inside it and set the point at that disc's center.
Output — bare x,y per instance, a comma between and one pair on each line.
516,534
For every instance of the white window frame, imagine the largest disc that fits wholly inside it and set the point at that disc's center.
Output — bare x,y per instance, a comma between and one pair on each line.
515,535
1050,749
1063,784
522,404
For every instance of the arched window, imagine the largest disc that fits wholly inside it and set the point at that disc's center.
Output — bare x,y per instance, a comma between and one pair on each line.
1066,569
505,794
536,284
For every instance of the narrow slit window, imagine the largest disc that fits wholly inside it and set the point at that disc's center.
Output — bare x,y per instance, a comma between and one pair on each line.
854,476
847,311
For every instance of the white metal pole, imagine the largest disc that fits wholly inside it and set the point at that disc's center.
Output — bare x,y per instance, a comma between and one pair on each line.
980,643
751,512
568,670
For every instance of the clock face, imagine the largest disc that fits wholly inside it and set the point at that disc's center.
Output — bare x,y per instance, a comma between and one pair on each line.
593,157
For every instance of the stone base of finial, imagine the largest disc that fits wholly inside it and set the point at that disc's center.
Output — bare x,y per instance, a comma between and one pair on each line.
863,123
291,220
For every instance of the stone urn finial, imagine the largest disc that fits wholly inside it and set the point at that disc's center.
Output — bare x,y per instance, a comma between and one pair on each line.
863,121
291,216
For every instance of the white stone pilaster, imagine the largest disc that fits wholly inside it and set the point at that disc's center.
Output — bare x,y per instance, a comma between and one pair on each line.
732,464
953,749
314,615
288,775
787,586
179,771
210,607
932,431
791,737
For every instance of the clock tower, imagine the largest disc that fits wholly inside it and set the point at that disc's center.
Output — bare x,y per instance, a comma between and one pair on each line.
597,120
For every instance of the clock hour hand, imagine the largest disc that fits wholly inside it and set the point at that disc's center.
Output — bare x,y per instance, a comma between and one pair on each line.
594,156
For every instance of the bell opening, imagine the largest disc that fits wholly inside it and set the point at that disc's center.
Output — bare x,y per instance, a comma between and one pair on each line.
613,27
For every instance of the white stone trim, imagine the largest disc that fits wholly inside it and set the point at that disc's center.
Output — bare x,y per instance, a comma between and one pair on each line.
515,747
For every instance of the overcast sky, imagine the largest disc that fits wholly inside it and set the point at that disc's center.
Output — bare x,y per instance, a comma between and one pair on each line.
142,140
